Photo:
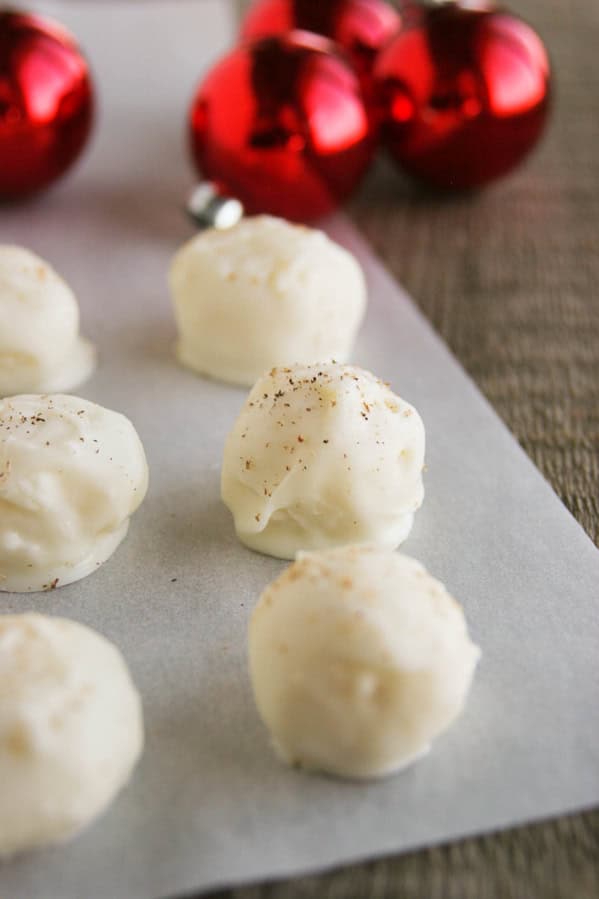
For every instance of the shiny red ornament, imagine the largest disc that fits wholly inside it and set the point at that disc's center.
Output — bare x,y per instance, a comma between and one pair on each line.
46,102
463,94
361,27
280,123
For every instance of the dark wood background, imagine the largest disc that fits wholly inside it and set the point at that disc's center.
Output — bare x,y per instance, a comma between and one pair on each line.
510,278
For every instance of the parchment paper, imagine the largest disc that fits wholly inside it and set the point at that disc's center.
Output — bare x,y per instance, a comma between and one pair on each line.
209,804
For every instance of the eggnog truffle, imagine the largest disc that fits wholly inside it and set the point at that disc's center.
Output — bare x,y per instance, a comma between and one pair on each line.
70,729
71,474
40,347
263,293
358,660
322,456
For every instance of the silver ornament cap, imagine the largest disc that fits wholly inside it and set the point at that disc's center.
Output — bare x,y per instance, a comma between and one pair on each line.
209,209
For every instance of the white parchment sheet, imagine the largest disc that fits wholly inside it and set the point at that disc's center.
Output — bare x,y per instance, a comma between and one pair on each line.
209,804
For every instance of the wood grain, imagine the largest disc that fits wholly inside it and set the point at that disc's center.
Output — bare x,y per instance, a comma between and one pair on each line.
510,278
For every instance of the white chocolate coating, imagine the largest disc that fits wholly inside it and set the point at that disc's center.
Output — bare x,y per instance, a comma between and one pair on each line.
358,659
261,294
71,475
323,456
40,347
71,729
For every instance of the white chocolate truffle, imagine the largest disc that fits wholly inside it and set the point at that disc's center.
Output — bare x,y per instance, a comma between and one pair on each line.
264,293
358,659
70,729
40,347
323,456
71,474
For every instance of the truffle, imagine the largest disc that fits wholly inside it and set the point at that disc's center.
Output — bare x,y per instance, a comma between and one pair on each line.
322,456
358,660
40,347
263,293
71,729
71,475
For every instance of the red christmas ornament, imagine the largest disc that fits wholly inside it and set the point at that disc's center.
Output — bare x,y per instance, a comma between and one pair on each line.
45,102
463,94
361,27
280,123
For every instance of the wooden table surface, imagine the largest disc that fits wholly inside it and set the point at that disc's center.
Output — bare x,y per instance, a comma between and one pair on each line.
510,278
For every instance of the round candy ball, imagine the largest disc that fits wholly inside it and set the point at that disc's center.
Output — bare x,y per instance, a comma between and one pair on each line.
320,456
253,296
358,659
46,102
71,475
463,94
280,124
361,27
40,347
71,729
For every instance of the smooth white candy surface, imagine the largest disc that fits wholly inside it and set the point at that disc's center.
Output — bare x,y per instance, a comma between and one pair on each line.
71,475
359,659
322,456
40,347
71,729
264,293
